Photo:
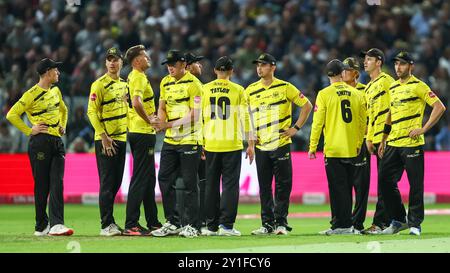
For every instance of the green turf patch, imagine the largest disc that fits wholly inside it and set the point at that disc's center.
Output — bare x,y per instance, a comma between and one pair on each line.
17,226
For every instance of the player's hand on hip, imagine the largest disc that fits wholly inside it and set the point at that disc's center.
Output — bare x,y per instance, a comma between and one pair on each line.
41,127
312,155
250,154
416,133
289,133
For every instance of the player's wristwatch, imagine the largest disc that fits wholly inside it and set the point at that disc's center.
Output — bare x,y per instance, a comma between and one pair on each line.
296,127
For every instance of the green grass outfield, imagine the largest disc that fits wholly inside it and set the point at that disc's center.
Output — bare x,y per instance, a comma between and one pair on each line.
17,227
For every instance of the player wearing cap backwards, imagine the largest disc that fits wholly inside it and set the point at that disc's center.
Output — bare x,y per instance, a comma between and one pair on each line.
340,112
107,112
141,136
361,181
226,119
270,105
404,134
47,113
179,114
377,99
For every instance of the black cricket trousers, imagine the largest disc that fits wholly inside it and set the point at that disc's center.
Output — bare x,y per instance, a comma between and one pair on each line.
47,158
143,181
186,158
278,163
340,173
394,162
222,209
361,185
110,171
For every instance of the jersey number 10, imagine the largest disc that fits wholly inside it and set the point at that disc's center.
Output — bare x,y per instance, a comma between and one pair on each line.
222,108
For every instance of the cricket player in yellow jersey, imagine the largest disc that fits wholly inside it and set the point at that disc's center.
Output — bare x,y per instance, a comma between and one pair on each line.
226,121
270,105
179,114
377,99
194,66
340,112
107,112
141,136
405,139
361,181
47,113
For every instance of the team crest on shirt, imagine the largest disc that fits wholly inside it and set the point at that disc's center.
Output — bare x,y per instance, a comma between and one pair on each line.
93,97
431,94
316,108
40,156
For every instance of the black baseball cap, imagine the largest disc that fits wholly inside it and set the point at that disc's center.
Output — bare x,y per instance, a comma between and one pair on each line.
133,52
113,51
224,63
351,63
404,56
334,68
373,52
46,64
265,58
174,56
192,58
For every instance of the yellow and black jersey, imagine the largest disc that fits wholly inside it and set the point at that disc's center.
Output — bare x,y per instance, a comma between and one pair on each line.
377,99
270,111
180,97
360,87
139,86
225,116
108,107
407,107
40,105
340,112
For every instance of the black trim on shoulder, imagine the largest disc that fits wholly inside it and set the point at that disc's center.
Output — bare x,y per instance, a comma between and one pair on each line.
39,96
413,82
395,86
257,91
277,85
168,83
109,84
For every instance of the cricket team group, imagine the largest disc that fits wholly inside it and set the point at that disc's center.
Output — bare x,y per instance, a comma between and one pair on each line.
207,126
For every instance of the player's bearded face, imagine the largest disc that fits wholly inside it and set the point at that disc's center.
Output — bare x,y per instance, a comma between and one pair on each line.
402,69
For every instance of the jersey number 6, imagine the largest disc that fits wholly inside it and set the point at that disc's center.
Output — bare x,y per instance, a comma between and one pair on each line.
346,111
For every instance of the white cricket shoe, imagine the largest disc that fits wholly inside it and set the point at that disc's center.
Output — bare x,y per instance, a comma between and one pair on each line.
60,230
